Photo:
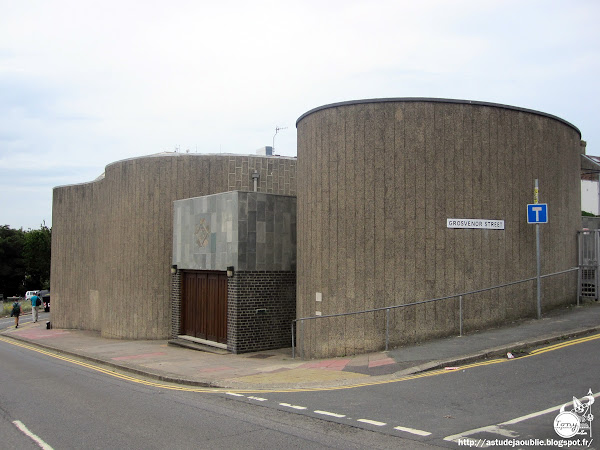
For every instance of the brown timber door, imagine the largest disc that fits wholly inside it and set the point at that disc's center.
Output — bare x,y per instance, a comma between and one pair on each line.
204,305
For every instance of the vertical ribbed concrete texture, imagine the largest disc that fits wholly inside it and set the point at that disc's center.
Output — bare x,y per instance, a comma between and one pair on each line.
377,181
112,238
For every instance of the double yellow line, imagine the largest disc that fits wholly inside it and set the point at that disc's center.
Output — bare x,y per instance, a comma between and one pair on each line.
106,371
564,344
175,387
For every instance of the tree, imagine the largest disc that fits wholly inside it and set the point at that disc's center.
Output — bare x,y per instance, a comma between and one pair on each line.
24,260
12,263
37,253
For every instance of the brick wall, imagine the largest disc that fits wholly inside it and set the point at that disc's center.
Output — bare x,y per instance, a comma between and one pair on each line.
261,307
175,304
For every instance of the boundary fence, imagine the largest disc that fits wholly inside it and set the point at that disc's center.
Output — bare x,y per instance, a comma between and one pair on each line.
589,262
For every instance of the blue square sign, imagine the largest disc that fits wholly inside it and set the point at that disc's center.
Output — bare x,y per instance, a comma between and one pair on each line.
537,213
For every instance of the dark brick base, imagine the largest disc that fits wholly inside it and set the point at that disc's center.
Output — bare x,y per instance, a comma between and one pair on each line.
260,309
175,304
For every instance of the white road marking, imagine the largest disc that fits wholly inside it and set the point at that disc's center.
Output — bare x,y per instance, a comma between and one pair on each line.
327,413
292,406
413,431
372,422
32,436
258,399
496,428
506,433
234,394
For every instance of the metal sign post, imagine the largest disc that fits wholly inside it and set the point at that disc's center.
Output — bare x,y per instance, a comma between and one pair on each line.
538,257
537,213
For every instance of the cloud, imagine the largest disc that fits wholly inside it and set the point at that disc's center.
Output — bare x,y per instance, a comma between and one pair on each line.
87,84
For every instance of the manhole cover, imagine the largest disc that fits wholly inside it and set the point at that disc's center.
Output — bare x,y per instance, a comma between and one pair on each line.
260,356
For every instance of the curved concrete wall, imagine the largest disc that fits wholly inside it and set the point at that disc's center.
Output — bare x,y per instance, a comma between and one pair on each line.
112,238
378,180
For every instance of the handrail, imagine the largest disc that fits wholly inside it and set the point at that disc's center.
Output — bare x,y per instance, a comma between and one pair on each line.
387,308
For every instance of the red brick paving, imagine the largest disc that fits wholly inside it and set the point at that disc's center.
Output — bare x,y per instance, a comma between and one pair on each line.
381,362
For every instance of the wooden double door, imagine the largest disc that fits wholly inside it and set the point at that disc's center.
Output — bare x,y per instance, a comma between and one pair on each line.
204,305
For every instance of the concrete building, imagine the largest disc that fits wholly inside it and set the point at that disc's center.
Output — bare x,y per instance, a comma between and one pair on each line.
391,201
112,240
247,242
379,181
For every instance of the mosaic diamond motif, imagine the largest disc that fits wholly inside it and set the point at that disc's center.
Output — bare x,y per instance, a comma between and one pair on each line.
202,233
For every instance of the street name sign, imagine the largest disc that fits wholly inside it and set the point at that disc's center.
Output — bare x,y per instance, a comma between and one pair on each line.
482,224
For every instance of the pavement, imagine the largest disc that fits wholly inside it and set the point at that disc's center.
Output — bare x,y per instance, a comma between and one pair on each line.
276,369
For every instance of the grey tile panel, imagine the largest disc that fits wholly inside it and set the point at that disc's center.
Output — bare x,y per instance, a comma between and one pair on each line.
235,237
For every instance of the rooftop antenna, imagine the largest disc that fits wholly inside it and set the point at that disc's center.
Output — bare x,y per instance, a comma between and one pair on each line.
277,131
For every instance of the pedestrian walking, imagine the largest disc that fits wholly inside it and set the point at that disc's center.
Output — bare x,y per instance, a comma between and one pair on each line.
16,312
36,301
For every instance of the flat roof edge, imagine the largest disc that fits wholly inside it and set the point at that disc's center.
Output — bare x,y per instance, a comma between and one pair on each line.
198,155
435,100
173,155
83,183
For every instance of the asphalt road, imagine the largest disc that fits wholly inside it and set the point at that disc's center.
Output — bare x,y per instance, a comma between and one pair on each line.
71,406
48,401
474,403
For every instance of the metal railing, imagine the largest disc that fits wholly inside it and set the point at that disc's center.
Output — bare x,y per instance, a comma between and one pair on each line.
387,309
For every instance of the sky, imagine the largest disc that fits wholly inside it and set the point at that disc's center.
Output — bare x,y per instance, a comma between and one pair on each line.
87,83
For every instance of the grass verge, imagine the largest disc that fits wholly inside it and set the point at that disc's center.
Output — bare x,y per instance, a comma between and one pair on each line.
7,308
